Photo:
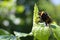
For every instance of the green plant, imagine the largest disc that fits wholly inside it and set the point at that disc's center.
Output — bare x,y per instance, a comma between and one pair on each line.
40,31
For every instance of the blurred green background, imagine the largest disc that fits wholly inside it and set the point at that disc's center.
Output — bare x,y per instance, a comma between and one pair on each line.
17,15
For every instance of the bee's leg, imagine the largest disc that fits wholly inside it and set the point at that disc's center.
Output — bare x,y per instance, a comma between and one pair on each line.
46,24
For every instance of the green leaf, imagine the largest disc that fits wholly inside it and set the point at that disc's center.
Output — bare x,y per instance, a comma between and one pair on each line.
19,34
8,37
56,31
39,30
4,32
35,15
41,33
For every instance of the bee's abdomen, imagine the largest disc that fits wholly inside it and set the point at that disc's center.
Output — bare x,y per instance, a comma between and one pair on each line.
46,18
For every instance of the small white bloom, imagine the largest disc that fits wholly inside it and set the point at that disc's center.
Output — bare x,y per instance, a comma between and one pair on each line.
6,23
12,17
17,21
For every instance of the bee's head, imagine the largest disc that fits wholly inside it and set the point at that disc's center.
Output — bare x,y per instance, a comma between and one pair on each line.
40,13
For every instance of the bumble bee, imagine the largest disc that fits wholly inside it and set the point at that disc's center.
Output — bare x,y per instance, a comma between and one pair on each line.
45,17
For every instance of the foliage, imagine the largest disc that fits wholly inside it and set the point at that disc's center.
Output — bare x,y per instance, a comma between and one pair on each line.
40,31
16,18
8,37
4,35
